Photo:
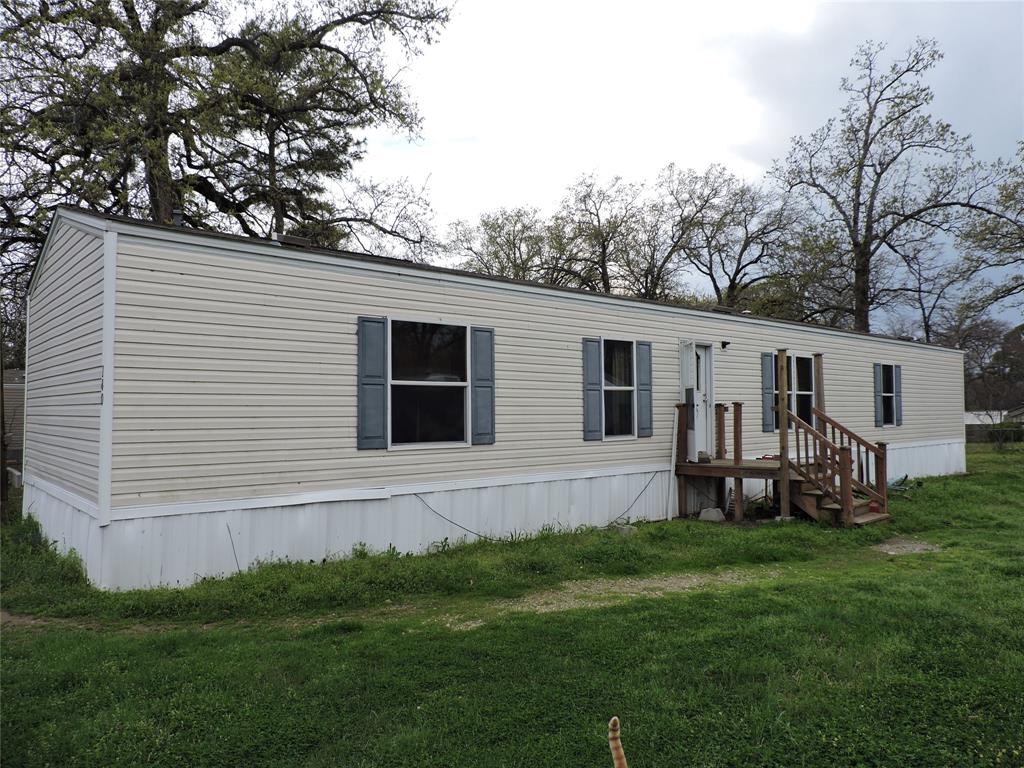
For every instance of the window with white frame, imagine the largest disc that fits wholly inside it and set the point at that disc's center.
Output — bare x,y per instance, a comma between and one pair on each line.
801,386
619,388
428,383
888,394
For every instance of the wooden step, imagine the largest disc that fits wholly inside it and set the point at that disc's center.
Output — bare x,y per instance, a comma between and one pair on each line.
868,518
810,505
857,504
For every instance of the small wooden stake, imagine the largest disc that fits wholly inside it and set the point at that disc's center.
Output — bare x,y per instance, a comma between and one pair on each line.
737,456
881,476
846,484
782,404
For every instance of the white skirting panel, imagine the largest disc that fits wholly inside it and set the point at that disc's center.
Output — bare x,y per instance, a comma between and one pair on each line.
925,459
178,549
66,523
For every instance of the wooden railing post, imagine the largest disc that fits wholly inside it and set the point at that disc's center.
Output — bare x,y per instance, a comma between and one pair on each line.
681,458
782,404
737,456
846,484
720,431
881,477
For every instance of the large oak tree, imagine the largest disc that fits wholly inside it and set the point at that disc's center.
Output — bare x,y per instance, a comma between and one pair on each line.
142,107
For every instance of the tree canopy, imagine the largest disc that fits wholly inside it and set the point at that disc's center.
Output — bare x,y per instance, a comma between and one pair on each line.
244,119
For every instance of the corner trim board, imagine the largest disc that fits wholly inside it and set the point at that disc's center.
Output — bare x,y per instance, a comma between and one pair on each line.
106,449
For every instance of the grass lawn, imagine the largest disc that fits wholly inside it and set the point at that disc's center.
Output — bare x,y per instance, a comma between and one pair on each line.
799,645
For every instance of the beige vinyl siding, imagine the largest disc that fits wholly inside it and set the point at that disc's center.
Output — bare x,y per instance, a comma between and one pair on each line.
236,376
64,370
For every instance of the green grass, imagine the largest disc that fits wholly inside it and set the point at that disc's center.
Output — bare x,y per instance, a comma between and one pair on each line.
846,658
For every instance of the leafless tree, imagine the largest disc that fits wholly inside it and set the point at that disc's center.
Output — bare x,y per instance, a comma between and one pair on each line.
886,174
593,230
509,242
727,229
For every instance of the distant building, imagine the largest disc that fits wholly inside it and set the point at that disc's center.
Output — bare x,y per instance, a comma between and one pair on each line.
984,417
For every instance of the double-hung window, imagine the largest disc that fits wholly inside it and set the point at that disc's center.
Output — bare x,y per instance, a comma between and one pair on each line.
887,395
619,388
428,383
801,386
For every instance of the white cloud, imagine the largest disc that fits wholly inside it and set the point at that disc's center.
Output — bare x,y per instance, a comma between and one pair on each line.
519,99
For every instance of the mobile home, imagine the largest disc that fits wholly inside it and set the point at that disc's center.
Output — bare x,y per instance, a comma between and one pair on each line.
197,403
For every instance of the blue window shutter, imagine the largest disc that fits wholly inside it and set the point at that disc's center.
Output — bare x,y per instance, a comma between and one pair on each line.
644,390
767,392
482,384
898,388
878,395
593,386
372,373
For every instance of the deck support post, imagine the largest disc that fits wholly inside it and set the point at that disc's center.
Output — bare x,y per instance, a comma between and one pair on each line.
846,484
737,457
782,406
720,452
882,477
681,457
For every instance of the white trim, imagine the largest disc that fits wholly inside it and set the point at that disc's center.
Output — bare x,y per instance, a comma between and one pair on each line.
84,223
605,437
379,493
791,379
881,384
467,427
687,375
199,243
709,365
24,394
106,448
97,224
922,443
72,499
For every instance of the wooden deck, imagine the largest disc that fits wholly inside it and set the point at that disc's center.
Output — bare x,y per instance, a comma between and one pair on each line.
831,474
758,469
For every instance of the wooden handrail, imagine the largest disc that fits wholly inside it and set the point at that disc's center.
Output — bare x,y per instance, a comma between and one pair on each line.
813,449
853,436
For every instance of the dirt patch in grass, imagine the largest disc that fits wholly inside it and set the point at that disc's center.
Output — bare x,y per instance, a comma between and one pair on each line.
904,546
29,621
600,593
596,593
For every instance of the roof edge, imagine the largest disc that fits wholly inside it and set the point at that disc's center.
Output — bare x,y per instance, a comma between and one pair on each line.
278,249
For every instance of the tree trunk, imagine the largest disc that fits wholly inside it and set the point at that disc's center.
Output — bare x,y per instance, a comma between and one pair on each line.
861,289
275,193
164,195
159,182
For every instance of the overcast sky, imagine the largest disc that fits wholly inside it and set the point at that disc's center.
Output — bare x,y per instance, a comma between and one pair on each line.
518,99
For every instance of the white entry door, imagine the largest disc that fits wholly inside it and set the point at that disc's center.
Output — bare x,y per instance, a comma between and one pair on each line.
696,390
